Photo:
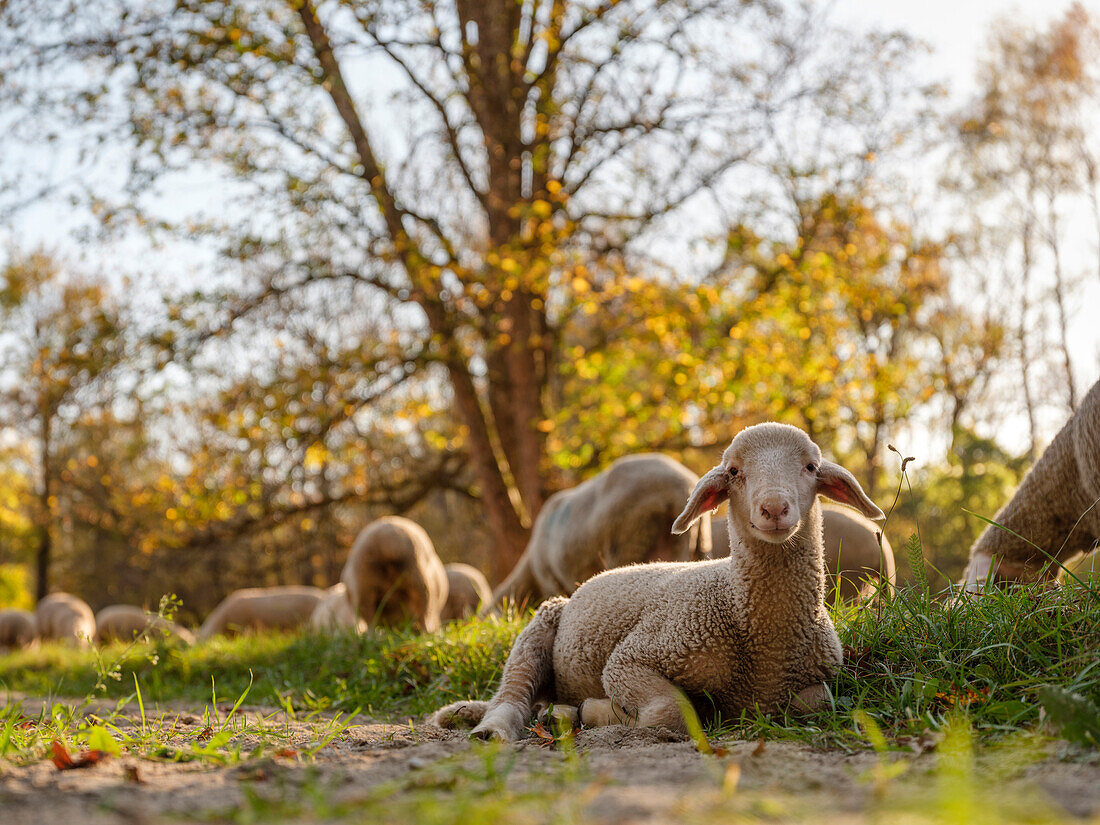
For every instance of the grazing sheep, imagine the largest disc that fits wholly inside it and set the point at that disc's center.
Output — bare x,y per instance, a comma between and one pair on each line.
335,613
467,590
125,621
751,631
260,608
621,516
18,629
1055,508
854,563
65,617
393,575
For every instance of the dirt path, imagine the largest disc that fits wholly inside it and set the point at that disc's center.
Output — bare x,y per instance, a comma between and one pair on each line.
383,772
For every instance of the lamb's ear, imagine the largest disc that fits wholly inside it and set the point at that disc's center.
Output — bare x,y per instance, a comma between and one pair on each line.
711,491
834,482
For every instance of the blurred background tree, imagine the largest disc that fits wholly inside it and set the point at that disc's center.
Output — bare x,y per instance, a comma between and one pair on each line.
446,258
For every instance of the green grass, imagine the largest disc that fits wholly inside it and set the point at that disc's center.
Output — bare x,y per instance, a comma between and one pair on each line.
912,662
969,677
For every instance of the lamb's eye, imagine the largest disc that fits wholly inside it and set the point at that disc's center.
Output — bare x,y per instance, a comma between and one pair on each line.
811,467
732,472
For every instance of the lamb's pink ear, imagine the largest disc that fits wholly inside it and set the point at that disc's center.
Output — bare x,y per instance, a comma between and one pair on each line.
834,482
711,491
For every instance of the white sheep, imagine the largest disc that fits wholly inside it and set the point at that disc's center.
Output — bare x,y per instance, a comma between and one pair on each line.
125,621
751,631
467,590
1056,508
18,629
335,613
65,617
855,566
394,576
623,515
262,608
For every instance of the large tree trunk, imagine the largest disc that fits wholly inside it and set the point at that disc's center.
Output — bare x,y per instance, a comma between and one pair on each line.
45,517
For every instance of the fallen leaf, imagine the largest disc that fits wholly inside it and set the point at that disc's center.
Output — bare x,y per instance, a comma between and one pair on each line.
133,775
288,753
64,761
206,733
759,749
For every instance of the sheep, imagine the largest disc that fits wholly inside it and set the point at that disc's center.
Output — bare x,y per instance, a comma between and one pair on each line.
1055,508
257,608
125,621
854,564
18,629
394,576
65,617
335,613
621,516
467,589
729,634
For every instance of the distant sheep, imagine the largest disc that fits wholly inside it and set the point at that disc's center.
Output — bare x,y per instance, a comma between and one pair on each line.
851,550
65,617
263,608
18,629
394,576
735,634
467,590
1056,508
335,613
620,516
122,622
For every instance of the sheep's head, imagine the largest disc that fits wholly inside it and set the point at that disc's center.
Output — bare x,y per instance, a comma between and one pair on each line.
771,474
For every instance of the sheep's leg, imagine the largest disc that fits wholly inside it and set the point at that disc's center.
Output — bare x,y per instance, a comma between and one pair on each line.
641,697
556,717
528,674
810,699
459,714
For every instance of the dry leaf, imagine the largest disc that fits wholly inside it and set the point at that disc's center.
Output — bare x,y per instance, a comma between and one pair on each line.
759,749
206,733
64,761
288,753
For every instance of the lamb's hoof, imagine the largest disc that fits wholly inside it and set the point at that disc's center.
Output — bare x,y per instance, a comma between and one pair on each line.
459,715
559,717
490,733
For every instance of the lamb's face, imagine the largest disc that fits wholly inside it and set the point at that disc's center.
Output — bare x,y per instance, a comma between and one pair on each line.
772,480
771,474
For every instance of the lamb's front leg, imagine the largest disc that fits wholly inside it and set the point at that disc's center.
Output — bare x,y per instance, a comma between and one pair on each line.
826,656
639,697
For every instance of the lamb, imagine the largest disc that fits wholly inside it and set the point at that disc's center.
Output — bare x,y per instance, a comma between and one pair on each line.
855,566
729,634
1057,508
394,576
65,617
18,629
335,613
125,621
467,589
257,608
621,516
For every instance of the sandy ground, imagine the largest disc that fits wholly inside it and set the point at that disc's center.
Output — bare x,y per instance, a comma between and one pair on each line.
615,775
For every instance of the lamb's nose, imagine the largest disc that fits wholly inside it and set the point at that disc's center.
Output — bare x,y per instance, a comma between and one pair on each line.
774,509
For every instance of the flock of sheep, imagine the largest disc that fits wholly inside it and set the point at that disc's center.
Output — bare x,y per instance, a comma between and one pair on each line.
646,601
393,575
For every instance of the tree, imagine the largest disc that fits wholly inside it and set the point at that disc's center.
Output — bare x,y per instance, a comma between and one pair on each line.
1025,149
542,145
62,338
